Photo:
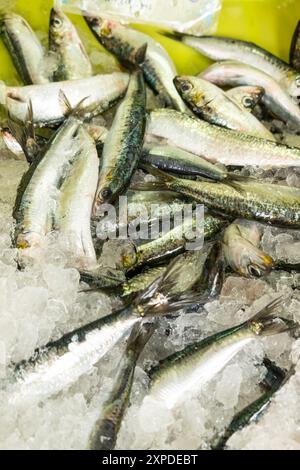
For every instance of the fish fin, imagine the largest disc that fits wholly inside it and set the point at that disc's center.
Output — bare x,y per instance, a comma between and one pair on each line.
295,39
265,324
25,134
139,336
156,300
147,294
160,184
68,109
175,35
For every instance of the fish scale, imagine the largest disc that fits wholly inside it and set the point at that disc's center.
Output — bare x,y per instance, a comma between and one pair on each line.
123,144
218,144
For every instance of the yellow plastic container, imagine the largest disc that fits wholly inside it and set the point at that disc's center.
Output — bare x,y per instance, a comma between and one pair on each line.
269,23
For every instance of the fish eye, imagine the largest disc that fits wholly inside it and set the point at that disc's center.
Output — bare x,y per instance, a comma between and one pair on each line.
247,101
254,271
186,86
297,81
105,193
56,22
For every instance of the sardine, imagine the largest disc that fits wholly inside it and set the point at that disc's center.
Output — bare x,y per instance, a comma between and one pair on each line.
158,67
276,98
270,203
246,96
181,162
222,48
123,145
65,43
169,244
218,144
295,49
97,94
188,370
105,431
38,191
74,207
213,105
241,249
26,50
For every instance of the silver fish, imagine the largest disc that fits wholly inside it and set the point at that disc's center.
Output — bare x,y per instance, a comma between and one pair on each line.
38,191
123,144
188,370
73,214
213,105
105,430
181,162
276,98
97,94
222,48
218,144
65,43
25,48
158,68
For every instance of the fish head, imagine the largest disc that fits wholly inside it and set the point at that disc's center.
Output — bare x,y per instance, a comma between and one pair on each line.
189,90
251,96
60,26
247,259
103,27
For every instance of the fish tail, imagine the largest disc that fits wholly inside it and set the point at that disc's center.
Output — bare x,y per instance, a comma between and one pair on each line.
139,337
156,300
265,324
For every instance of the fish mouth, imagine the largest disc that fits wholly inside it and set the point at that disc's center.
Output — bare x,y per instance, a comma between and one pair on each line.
259,270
